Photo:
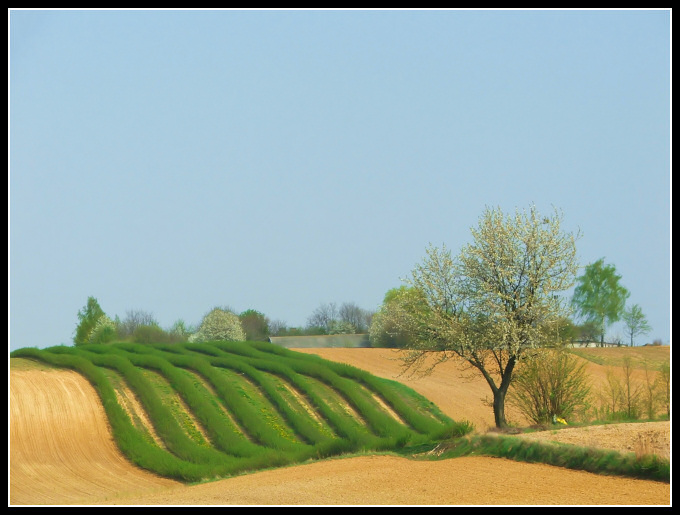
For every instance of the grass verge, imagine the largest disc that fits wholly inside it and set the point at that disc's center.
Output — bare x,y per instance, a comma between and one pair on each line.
569,456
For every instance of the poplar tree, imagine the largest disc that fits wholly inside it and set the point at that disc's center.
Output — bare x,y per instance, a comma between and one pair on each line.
87,320
599,297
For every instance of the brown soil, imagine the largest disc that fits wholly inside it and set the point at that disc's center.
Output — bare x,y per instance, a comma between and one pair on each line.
62,452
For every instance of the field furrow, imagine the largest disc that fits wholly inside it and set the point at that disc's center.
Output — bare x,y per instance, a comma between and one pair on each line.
82,436
194,412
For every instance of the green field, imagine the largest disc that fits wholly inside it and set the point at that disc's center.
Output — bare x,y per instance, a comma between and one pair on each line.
196,412
640,357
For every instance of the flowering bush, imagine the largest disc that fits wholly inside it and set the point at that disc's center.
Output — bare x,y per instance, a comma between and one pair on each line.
104,331
180,329
341,327
219,324
87,317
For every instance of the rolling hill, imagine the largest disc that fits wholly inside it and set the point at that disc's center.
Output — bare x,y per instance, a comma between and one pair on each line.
193,412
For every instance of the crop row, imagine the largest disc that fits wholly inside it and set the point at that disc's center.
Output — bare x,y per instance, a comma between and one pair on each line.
221,408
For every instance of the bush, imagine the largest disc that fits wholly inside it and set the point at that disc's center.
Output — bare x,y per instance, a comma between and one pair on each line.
341,327
88,318
133,320
631,391
384,332
155,334
255,325
387,328
180,330
219,324
664,385
104,331
554,383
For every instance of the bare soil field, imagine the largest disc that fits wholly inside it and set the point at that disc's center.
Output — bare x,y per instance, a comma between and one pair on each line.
62,453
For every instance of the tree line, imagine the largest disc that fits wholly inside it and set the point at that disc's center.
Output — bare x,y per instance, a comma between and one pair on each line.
220,323
599,301
497,305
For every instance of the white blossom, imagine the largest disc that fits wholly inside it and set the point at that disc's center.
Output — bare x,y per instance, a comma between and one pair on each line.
219,324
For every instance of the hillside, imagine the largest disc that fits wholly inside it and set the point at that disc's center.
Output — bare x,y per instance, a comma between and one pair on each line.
471,391
83,465
194,412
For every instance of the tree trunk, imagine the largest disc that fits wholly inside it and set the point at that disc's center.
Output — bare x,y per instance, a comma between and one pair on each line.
499,408
499,394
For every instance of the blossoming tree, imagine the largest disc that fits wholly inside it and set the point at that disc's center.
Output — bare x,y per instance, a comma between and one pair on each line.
494,303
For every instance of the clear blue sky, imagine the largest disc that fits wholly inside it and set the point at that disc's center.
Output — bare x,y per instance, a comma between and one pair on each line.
172,161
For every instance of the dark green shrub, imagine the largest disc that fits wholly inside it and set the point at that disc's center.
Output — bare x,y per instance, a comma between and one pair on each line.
104,331
255,325
155,334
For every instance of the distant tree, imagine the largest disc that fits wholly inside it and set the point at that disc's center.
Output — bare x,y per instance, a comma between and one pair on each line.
351,314
88,318
104,331
567,331
570,332
599,297
313,330
291,331
323,317
219,324
135,318
255,325
277,327
153,333
180,330
385,329
588,332
368,318
342,327
636,322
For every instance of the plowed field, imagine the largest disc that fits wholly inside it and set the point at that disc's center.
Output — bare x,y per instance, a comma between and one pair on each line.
62,452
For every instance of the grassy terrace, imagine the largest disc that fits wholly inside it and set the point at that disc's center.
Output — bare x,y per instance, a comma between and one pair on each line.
195,412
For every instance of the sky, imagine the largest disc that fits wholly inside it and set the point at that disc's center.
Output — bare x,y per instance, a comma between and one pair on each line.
171,161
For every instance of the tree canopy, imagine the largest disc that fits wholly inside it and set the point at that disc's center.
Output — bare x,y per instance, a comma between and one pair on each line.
495,302
255,325
599,297
636,322
385,330
219,324
88,317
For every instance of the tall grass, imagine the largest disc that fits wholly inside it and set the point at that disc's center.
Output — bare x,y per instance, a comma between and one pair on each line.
210,417
569,456
300,379
345,378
